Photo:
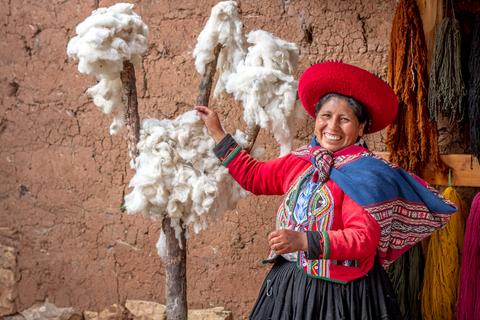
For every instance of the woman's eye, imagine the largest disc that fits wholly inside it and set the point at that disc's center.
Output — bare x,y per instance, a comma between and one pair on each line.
344,119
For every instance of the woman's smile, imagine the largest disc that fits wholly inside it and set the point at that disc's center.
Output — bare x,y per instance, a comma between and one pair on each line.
332,137
336,125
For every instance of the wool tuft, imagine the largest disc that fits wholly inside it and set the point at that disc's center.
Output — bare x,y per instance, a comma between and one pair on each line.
223,27
104,40
162,245
261,77
265,85
178,175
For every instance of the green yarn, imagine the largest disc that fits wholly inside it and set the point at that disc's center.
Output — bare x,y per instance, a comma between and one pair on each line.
406,275
447,89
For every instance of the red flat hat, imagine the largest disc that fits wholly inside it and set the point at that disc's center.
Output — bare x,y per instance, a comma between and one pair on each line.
363,86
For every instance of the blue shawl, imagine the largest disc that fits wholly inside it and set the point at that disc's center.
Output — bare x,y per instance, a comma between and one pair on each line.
406,207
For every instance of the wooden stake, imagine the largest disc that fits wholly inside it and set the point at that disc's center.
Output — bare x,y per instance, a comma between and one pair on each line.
252,133
132,119
205,86
175,263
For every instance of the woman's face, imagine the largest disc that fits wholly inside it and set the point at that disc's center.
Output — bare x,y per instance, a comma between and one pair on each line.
336,125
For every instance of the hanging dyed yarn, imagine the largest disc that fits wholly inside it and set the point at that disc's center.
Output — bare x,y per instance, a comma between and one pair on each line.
412,138
406,277
474,90
442,266
468,306
447,89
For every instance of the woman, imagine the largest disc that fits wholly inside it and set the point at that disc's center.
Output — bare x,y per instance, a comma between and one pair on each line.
345,212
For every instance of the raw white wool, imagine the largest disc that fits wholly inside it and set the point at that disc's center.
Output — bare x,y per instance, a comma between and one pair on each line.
162,245
223,27
178,175
240,137
271,52
107,38
266,86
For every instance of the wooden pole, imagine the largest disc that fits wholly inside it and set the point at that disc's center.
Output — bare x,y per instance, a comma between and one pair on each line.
132,119
205,86
175,263
252,133
176,257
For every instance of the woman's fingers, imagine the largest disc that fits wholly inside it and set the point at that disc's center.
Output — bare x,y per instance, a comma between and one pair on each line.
285,241
279,241
212,122
202,109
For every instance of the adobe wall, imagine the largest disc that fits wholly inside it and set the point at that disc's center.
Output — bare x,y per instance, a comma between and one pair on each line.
63,177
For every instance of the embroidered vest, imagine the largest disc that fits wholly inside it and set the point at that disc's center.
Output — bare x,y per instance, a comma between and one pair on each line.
318,216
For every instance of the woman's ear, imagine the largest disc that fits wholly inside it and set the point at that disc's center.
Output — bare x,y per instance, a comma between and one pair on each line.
361,129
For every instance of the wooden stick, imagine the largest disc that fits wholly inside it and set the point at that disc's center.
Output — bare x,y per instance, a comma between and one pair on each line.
176,257
132,119
205,86
175,263
252,133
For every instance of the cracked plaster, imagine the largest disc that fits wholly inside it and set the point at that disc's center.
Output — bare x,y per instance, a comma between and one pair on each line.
63,177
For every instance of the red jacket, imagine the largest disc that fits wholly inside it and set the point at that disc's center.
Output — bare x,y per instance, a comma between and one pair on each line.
350,233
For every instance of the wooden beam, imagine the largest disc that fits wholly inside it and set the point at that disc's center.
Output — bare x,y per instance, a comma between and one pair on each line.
465,170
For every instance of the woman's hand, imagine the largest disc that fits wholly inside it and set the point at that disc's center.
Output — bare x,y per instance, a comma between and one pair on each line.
212,122
286,241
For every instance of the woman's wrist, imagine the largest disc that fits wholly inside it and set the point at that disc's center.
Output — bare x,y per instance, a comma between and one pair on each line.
217,137
303,241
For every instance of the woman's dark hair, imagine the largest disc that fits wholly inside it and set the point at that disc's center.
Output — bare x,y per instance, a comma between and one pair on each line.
358,109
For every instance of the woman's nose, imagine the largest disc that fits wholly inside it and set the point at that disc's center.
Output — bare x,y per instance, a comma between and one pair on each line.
333,123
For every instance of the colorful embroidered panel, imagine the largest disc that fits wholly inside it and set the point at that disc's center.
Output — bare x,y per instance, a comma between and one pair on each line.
308,206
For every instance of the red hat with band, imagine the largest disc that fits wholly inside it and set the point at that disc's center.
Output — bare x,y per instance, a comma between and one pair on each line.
363,86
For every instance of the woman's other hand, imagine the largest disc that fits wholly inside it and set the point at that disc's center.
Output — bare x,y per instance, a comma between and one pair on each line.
212,122
286,241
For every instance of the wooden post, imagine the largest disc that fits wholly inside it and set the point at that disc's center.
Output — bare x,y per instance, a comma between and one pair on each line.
132,119
175,263
252,133
204,96
205,86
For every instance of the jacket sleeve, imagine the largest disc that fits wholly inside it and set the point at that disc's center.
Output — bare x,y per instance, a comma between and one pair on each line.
359,237
272,177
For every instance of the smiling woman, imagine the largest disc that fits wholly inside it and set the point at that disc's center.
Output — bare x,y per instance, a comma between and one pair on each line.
337,125
333,229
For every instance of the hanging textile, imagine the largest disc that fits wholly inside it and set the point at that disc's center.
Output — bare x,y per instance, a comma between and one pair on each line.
474,90
442,265
406,277
446,87
468,306
412,138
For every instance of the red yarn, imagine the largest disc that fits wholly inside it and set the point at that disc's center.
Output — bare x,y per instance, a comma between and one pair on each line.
468,306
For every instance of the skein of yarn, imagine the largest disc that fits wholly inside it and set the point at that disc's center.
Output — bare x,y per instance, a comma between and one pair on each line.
442,266
446,88
474,89
468,306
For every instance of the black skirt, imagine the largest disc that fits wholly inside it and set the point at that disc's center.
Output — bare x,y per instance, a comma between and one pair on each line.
289,294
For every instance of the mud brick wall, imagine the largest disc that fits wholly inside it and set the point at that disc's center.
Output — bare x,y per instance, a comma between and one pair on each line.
63,177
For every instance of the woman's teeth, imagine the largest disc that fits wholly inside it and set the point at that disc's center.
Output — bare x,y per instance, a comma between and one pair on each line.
331,136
